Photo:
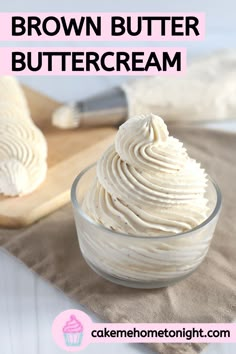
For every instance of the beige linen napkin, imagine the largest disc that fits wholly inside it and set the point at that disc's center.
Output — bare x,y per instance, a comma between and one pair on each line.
50,248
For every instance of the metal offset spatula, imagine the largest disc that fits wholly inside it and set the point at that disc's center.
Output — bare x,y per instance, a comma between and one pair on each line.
206,92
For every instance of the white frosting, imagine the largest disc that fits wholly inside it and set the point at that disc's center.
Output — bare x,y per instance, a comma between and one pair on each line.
13,177
139,260
11,93
146,183
11,110
23,148
25,130
206,92
66,117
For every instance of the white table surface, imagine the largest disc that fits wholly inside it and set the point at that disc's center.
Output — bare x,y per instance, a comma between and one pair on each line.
28,304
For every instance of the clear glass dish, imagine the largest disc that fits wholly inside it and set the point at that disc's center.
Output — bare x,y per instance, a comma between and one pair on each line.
141,261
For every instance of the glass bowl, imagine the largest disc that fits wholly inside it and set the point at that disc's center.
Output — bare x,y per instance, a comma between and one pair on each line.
141,261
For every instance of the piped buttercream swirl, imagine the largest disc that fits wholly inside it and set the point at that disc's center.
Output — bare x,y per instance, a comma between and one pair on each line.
23,147
146,183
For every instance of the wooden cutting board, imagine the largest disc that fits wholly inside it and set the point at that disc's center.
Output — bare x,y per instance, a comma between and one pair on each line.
69,151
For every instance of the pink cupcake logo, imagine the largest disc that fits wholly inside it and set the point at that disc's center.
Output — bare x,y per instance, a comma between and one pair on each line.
73,332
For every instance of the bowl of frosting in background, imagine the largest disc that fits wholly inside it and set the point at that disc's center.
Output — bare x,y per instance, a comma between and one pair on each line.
146,212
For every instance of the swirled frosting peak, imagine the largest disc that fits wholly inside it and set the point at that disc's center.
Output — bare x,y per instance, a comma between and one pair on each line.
146,183
23,147
144,129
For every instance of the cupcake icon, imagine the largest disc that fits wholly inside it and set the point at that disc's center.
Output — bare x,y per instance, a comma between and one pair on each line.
73,332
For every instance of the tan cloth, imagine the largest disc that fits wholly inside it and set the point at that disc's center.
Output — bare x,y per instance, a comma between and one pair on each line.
51,249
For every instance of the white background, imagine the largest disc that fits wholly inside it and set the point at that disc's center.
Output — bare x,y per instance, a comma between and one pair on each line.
28,304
